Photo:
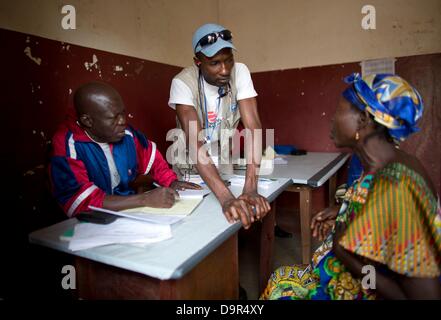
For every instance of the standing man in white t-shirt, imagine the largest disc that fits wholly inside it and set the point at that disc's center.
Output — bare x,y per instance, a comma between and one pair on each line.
214,94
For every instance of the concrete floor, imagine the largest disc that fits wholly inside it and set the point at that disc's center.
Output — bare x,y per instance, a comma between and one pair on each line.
287,251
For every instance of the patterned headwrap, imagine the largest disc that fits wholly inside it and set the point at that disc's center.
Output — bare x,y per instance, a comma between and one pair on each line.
392,101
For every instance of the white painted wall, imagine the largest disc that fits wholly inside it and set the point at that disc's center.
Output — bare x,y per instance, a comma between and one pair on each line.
269,35
155,30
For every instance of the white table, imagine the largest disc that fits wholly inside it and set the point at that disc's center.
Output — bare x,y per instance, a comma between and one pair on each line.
306,173
199,262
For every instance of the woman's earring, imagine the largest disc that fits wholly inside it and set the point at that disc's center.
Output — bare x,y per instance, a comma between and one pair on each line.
357,136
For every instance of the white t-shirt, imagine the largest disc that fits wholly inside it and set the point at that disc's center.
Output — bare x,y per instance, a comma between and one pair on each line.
115,178
180,93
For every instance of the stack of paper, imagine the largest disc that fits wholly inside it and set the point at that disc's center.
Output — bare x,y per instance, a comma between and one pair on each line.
193,193
89,235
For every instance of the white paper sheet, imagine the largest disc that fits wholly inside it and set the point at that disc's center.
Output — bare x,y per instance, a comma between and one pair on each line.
123,230
193,193
152,218
280,160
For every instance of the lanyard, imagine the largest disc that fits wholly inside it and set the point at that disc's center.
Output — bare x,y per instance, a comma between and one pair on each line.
221,93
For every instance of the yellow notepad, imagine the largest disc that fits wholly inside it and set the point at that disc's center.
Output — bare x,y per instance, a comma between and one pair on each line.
182,207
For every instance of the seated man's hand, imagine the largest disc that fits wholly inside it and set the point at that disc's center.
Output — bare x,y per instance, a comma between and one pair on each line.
238,209
259,203
182,185
160,198
323,222
142,183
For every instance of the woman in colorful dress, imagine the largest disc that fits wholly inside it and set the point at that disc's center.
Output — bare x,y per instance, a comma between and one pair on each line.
386,243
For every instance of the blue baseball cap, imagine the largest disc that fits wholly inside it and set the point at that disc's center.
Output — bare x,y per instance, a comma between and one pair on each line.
212,49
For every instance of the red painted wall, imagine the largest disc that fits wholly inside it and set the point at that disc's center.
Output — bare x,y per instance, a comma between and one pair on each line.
299,104
36,97
424,72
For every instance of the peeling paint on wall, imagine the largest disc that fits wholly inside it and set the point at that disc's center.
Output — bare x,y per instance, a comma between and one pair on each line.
32,171
63,47
27,51
94,63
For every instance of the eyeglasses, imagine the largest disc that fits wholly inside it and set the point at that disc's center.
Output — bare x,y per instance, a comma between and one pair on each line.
212,38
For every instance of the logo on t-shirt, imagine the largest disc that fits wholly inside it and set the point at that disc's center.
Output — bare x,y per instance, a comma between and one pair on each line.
212,116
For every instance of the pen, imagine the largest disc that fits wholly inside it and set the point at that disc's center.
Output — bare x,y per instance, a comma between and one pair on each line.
158,186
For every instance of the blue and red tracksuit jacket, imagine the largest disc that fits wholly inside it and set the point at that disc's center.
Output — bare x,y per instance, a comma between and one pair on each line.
80,175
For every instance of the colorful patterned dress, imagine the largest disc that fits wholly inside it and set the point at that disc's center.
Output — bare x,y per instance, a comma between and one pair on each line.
393,219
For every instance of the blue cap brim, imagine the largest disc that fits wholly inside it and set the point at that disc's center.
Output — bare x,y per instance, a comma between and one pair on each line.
220,44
